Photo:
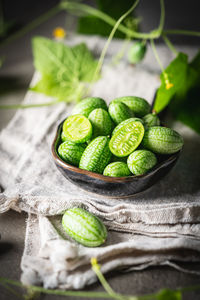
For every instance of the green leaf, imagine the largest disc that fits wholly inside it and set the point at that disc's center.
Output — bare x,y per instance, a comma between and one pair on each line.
176,72
64,69
92,25
167,294
183,96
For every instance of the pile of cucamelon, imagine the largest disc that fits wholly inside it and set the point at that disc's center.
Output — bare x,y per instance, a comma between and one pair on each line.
120,140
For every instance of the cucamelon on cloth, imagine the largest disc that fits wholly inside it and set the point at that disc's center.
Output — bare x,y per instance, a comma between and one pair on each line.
120,125
87,105
96,156
162,140
151,120
84,227
101,122
71,152
127,139
119,112
77,129
139,106
117,169
141,161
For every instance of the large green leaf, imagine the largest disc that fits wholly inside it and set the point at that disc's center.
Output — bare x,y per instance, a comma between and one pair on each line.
63,69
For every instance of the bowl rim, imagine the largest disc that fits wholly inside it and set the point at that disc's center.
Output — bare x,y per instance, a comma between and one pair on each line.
102,177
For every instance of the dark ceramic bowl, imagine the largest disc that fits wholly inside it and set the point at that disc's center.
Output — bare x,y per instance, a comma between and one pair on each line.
111,186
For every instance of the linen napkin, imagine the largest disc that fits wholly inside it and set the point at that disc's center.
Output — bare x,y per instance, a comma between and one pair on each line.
158,227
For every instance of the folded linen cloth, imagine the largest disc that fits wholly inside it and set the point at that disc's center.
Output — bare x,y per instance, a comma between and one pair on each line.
158,227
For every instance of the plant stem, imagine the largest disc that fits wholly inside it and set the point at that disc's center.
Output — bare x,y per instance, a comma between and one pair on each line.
24,106
182,32
99,14
103,53
156,55
169,44
30,26
162,17
121,53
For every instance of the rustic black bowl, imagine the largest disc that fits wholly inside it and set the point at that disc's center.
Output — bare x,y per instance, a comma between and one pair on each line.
111,186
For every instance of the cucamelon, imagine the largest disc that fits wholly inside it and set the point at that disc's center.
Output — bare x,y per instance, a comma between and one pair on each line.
87,105
120,125
141,161
96,156
71,152
139,106
84,227
151,120
101,122
119,112
117,169
162,140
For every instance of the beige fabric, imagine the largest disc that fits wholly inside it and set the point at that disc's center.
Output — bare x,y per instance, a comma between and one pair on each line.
157,227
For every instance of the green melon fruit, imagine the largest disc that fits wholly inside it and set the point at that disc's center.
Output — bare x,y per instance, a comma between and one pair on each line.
84,227
96,156
120,125
87,105
101,122
162,140
141,161
77,129
117,169
139,106
119,112
71,152
137,52
127,139
151,120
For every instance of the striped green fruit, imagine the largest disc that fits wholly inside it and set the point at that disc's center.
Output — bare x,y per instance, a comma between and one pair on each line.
87,105
63,137
120,125
141,161
117,169
151,120
84,227
127,139
77,129
101,122
162,140
96,156
119,112
71,152
138,105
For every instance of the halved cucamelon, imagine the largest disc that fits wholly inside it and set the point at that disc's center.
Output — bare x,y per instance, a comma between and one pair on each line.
141,161
138,105
101,122
127,139
87,105
71,152
77,129
84,227
117,169
120,125
119,112
162,140
96,156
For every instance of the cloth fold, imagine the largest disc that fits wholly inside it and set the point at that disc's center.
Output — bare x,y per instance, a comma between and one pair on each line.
158,227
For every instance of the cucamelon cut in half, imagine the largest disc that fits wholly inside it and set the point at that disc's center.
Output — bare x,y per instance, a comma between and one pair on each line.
141,161
101,122
84,227
127,139
117,169
96,156
151,120
63,137
119,112
87,105
162,140
71,152
77,129
138,105
120,125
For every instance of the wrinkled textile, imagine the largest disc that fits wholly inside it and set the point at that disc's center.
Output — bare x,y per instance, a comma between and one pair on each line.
158,227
